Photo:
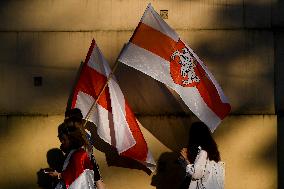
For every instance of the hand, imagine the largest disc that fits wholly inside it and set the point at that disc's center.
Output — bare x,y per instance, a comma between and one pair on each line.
54,174
184,153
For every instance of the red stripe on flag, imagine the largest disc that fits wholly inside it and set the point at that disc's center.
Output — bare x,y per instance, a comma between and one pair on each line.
160,44
154,41
210,94
92,82
140,150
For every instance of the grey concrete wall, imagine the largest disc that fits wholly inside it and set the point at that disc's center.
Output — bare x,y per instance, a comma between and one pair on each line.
241,42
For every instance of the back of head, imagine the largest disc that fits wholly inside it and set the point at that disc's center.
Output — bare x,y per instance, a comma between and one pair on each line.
74,114
55,159
200,135
73,132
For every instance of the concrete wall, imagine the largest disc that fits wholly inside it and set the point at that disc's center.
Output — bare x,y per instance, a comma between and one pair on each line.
239,40
247,145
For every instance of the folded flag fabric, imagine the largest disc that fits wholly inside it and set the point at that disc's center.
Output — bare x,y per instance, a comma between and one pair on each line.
115,121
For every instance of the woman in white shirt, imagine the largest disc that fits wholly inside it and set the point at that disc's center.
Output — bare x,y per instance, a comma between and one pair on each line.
203,159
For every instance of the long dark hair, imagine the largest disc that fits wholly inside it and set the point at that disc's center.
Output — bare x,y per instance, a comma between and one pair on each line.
75,134
200,135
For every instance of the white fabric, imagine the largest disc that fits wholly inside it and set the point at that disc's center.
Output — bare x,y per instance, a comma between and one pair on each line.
98,62
158,68
152,18
84,181
99,116
123,134
102,117
206,174
112,125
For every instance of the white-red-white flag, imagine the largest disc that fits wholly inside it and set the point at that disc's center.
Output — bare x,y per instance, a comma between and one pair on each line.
115,121
77,171
156,50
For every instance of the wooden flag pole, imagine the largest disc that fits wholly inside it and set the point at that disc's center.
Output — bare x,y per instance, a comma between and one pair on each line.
101,92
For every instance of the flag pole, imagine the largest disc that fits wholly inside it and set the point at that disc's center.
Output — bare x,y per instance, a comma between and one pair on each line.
101,92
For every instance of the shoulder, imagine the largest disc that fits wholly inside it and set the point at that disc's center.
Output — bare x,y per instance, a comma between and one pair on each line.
79,153
203,153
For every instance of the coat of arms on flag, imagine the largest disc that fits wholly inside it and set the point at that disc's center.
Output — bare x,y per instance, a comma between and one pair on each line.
183,67
156,50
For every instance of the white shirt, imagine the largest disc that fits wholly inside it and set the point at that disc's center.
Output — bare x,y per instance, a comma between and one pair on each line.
206,174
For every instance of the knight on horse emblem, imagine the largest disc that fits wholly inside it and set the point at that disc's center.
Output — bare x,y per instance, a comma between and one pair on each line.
187,65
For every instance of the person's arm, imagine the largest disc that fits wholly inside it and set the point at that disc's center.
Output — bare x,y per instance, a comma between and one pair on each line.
197,170
97,175
53,174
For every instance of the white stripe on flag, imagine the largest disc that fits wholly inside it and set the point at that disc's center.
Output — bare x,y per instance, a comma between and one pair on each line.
151,18
93,62
123,135
99,116
158,68
151,64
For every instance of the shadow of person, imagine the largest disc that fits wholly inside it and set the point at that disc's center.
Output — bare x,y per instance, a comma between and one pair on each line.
55,159
112,156
170,173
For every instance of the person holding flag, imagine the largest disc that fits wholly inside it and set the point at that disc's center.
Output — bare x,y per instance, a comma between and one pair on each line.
79,170
98,95
202,159
76,116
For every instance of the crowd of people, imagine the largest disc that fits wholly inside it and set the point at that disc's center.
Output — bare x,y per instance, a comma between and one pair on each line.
201,159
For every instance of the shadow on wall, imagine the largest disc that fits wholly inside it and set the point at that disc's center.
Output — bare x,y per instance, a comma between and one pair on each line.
229,49
158,101
280,149
155,106
112,156
170,173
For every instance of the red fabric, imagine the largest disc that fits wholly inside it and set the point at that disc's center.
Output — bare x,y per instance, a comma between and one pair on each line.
79,161
160,44
92,82
140,150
